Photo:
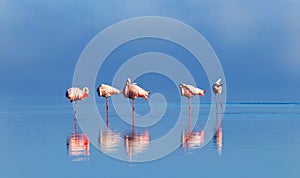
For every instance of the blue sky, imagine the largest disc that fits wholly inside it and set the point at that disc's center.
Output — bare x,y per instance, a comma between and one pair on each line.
257,42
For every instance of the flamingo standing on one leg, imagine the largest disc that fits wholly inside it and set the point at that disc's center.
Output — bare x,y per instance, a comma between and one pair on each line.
106,91
75,94
217,89
191,138
190,91
133,91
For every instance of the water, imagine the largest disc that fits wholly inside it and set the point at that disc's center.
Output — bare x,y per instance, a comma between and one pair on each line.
256,140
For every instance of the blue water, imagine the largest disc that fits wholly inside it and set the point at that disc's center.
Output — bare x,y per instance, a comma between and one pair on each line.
258,140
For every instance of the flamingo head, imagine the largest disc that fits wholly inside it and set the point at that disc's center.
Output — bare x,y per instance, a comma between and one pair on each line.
218,82
85,90
128,81
201,92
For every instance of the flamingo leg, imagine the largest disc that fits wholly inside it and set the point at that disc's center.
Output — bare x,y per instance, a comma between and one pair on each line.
216,111
132,116
189,101
221,104
75,117
189,115
222,112
106,111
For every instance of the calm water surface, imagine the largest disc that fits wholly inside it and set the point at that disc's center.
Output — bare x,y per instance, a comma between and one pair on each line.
256,140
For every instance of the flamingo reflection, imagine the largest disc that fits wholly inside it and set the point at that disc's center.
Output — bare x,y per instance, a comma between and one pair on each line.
192,139
218,137
218,140
136,143
109,140
78,146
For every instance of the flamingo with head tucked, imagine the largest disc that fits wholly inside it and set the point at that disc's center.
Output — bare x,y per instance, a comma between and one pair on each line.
75,94
107,91
190,91
133,91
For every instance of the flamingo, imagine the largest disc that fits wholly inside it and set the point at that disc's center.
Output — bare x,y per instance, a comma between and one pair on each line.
75,94
106,91
133,91
190,91
217,90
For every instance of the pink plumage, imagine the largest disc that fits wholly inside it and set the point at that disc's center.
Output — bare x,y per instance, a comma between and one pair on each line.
133,91
106,90
190,91
74,93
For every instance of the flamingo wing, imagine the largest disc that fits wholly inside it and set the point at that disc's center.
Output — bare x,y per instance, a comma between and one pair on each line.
185,90
114,91
106,90
137,91
74,94
192,89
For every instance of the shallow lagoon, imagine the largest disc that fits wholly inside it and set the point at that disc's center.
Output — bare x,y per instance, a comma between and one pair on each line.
258,140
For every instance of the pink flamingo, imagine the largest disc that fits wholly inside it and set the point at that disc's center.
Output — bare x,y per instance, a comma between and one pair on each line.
133,91
190,91
106,91
217,90
75,94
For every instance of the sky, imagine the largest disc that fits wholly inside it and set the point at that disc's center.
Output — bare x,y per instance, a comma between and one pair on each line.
256,42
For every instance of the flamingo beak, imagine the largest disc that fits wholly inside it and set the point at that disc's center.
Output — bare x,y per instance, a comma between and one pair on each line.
202,93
